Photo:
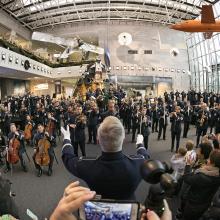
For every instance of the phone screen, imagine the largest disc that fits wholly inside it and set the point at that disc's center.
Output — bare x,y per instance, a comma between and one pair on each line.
93,210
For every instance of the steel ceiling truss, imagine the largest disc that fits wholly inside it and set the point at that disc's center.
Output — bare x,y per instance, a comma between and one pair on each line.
36,14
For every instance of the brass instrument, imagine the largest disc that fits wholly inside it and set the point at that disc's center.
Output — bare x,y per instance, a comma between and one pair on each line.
201,122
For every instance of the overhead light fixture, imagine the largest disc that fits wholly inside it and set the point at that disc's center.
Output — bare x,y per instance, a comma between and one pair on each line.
139,68
22,62
10,59
153,68
69,71
146,68
184,71
16,61
42,69
125,67
38,68
159,69
34,67
132,68
172,70
117,67
124,39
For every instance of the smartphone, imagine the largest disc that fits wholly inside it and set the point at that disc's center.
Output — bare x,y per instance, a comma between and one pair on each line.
108,209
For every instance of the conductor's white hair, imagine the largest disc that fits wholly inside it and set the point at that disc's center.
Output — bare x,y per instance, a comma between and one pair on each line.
111,134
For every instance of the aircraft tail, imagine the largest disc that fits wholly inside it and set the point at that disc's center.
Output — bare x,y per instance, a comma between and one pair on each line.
207,35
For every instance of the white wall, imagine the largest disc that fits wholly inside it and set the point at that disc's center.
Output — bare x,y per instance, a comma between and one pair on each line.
158,38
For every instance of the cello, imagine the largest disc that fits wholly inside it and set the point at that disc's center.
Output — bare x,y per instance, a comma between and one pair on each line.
13,148
42,157
28,131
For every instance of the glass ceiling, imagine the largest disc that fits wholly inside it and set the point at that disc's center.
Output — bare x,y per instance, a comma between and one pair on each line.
35,14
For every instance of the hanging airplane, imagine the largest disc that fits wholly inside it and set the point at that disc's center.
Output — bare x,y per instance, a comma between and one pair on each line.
207,24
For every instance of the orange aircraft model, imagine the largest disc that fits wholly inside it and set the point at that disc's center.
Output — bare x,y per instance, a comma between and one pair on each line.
207,24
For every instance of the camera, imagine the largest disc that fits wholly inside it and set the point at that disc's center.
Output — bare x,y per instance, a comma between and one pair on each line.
162,185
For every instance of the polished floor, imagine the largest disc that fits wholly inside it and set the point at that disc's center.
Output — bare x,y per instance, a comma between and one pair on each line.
41,195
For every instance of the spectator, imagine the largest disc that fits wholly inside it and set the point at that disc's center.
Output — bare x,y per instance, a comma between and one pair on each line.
204,183
75,196
178,163
112,175
190,154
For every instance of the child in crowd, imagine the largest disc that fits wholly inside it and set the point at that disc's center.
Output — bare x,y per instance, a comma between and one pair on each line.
190,154
178,163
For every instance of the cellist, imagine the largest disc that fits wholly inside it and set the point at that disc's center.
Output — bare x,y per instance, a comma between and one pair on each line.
15,149
29,124
43,150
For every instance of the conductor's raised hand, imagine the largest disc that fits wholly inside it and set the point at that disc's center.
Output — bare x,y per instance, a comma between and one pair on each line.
140,139
66,132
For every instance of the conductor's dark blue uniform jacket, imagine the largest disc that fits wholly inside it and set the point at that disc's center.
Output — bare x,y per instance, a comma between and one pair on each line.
112,175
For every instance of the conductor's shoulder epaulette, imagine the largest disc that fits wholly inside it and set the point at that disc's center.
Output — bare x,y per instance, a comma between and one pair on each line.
135,157
87,158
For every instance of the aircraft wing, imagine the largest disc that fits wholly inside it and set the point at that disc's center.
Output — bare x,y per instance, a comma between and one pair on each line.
207,15
44,37
92,48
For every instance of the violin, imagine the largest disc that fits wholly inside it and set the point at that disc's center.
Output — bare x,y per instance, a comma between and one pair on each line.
28,131
12,154
42,157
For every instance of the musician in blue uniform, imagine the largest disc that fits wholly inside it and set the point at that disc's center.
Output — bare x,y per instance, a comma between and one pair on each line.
176,118
113,174
15,134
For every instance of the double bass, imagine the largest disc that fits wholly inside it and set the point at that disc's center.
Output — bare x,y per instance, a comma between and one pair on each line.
50,127
28,131
42,157
13,148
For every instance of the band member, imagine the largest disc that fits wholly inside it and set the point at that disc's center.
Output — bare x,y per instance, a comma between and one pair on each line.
145,126
162,121
50,126
202,122
136,119
176,119
43,150
15,149
155,118
80,124
29,124
217,120
187,117
111,110
92,122
212,118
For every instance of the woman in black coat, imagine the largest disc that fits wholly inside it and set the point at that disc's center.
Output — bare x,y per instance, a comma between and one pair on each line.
203,184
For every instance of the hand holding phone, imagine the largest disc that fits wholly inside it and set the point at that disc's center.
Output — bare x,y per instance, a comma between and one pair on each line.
73,198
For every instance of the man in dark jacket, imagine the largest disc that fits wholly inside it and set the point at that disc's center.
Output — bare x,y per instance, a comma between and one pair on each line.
204,183
112,175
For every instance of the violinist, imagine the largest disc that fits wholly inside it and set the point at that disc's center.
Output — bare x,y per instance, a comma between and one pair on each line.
202,122
29,124
93,121
80,125
145,126
15,149
136,118
43,150
162,115
176,118
187,117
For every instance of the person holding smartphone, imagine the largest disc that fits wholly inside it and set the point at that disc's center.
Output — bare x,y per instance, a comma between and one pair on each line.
75,196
